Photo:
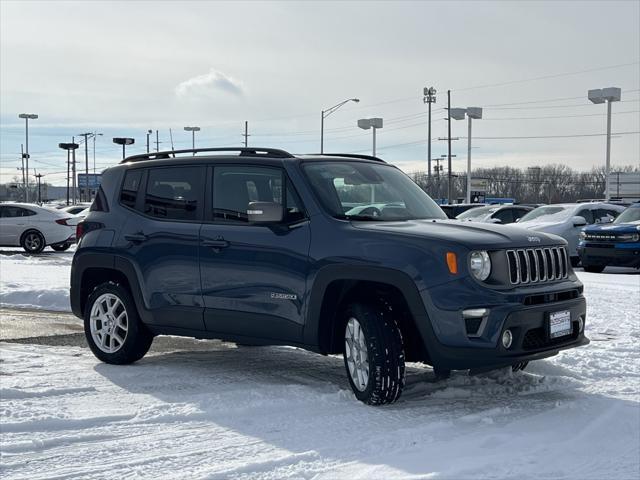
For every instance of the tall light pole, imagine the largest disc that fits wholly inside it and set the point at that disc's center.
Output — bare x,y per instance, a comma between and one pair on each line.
124,141
373,123
429,98
601,95
149,132
326,113
458,114
68,147
193,131
27,117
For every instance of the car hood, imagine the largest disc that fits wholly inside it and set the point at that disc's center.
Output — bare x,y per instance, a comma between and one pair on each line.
474,235
610,227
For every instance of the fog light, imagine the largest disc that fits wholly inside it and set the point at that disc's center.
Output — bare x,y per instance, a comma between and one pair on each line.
580,324
507,339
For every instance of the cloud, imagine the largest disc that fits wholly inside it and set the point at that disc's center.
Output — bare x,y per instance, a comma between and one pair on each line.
210,85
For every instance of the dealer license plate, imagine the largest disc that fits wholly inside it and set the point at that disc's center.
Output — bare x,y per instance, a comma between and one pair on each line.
559,324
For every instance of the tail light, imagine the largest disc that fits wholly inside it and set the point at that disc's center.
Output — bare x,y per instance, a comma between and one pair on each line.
63,221
85,227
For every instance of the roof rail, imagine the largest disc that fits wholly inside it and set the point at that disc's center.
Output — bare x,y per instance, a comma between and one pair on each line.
353,155
243,151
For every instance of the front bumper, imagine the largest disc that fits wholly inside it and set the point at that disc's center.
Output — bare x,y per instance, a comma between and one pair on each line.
450,347
621,255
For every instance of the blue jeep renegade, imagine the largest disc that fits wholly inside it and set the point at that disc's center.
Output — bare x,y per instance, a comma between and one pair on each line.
338,254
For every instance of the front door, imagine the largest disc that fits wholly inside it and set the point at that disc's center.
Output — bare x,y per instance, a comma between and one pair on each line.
162,240
253,276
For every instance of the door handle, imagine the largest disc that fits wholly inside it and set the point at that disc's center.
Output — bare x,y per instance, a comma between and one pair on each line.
216,244
136,237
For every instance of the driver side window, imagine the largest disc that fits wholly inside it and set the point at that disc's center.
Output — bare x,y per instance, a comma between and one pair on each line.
235,186
587,214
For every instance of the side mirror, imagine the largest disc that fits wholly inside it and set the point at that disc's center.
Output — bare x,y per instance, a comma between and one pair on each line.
518,219
265,212
579,221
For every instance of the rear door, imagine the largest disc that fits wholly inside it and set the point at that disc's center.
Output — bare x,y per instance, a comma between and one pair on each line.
253,276
13,222
161,237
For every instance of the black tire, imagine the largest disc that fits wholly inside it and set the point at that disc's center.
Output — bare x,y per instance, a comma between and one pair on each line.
32,241
385,353
518,367
61,247
594,268
137,340
575,261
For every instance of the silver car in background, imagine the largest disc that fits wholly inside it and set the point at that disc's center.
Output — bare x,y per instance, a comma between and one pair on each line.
567,219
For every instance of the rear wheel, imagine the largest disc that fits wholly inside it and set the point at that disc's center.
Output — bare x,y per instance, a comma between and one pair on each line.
61,247
373,354
593,268
112,326
32,241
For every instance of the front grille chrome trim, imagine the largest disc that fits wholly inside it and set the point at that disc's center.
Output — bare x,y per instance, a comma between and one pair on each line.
537,265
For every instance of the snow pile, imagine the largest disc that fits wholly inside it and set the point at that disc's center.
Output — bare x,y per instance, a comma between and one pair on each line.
35,281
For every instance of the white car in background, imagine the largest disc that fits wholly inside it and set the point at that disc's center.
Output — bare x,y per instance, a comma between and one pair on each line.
568,219
33,228
75,209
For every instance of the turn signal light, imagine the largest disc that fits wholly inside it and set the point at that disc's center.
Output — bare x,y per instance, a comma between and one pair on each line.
452,263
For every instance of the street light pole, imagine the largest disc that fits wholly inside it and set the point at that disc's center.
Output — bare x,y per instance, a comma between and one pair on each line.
601,95
149,132
373,123
124,141
193,131
325,113
458,114
26,117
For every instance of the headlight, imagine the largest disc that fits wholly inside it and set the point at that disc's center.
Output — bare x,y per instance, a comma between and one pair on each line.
629,237
583,235
480,264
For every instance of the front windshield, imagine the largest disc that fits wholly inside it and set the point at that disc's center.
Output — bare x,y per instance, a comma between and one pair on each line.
479,213
630,215
366,191
550,213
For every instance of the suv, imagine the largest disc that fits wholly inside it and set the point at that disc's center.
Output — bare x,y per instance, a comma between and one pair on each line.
337,254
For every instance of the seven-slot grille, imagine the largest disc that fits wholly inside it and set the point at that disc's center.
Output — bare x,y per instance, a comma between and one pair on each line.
533,265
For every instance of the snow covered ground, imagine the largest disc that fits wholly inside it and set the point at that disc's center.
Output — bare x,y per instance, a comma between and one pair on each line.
271,412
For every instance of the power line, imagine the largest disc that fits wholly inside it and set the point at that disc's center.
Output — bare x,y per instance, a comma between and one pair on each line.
545,77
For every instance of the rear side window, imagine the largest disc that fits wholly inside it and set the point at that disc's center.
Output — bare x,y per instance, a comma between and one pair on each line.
130,187
100,202
504,215
13,212
174,193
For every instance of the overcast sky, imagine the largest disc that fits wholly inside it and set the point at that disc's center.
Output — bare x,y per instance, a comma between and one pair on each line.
121,68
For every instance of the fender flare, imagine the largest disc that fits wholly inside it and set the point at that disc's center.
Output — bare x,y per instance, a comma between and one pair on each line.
312,333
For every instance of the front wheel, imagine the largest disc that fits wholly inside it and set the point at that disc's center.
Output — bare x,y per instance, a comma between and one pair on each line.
593,268
32,242
112,326
373,354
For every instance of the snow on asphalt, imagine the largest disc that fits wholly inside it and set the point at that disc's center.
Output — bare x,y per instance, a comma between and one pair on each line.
277,412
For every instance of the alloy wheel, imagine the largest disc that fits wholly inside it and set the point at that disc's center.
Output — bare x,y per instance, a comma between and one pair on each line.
355,345
109,323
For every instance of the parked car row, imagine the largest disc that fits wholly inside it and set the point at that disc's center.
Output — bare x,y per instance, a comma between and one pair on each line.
33,227
598,233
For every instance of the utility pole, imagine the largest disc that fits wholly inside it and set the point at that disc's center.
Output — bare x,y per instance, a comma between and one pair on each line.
157,141
27,117
95,134
246,133
39,176
449,144
149,132
429,98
